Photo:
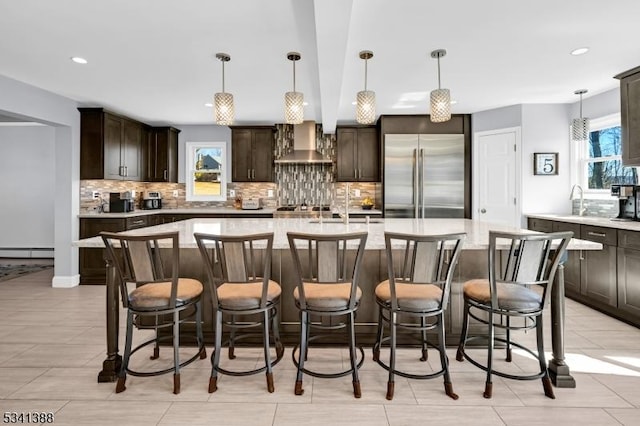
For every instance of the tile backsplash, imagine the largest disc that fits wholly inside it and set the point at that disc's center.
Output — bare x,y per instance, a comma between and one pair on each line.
600,208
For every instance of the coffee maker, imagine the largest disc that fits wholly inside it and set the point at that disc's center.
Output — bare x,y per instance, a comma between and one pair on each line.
120,202
627,201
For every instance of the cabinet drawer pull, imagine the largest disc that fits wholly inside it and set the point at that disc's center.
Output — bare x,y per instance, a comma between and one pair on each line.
165,174
137,222
597,234
249,174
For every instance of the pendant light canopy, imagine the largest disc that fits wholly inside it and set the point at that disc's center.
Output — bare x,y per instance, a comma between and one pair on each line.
223,101
366,99
580,126
440,98
293,101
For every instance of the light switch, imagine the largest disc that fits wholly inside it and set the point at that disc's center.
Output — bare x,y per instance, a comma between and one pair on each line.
232,193
357,192
175,193
270,193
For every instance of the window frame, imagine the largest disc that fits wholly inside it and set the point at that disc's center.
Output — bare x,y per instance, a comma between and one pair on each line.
191,148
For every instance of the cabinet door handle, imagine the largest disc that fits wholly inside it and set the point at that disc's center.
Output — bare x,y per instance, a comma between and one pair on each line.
253,174
597,234
355,173
121,171
165,174
581,255
126,171
249,174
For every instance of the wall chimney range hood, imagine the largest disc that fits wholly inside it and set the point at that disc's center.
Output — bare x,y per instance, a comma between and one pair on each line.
304,146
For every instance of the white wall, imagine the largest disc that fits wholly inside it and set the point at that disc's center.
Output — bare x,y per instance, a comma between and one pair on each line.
599,105
27,173
212,133
499,118
30,102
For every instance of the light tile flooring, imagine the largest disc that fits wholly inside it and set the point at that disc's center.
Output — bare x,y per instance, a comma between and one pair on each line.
52,347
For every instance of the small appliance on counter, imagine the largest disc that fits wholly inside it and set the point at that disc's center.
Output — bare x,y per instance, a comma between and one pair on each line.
120,202
151,200
627,201
251,204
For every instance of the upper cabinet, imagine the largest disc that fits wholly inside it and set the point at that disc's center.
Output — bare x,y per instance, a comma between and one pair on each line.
111,146
252,153
358,154
162,154
630,116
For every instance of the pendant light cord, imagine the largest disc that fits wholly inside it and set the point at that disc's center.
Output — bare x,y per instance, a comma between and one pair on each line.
580,105
365,74
439,73
294,75
222,76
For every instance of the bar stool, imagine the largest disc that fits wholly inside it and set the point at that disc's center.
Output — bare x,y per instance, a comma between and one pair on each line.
327,288
239,271
521,272
420,272
156,294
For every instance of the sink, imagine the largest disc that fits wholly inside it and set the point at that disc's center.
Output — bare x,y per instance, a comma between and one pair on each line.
351,220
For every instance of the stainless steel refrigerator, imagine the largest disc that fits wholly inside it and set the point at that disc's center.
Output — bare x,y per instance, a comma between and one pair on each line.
424,176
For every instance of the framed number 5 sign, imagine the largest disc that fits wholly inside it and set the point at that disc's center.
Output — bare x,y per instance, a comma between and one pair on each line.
545,163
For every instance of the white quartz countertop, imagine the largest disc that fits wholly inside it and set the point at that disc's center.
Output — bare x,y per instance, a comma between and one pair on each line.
590,220
477,232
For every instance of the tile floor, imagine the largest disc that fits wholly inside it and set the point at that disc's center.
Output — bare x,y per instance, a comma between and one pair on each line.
52,347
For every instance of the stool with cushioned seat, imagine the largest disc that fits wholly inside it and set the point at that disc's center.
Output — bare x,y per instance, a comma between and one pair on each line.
239,271
521,272
149,290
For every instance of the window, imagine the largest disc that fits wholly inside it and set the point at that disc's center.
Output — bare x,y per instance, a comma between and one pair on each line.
205,172
600,157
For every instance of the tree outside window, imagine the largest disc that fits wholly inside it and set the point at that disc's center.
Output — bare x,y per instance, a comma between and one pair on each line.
604,162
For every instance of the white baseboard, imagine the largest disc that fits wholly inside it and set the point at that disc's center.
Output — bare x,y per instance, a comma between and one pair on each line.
65,281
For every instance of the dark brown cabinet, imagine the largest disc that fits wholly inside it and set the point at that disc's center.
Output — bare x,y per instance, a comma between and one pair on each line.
630,116
358,154
162,154
111,146
252,154
598,273
572,265
628,274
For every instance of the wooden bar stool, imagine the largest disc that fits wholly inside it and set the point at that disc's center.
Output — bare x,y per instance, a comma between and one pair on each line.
521,274
327,269
420,272
149,290
239,271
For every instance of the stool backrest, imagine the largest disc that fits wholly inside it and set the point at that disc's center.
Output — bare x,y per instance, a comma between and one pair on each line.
325,259
236,259
138,259
525,259
422,259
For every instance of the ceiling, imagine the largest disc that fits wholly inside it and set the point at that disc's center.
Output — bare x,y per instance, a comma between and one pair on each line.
154,60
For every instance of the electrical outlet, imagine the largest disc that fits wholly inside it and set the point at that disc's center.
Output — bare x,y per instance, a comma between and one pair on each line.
175,193
270,193
357,192
232,193
95,195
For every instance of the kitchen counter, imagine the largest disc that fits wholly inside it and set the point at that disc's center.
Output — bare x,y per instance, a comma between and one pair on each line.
191,210
590,220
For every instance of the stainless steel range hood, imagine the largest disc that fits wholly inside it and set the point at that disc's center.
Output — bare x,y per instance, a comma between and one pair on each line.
304,146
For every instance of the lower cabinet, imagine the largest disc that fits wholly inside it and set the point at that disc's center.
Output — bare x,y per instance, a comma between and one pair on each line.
598,272
629,273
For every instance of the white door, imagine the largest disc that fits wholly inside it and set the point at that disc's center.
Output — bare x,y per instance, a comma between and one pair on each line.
497,176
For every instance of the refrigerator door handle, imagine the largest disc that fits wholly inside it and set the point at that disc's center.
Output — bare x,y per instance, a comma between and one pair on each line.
421,189
416,181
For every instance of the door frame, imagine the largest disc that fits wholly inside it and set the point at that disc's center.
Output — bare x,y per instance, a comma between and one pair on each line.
517,219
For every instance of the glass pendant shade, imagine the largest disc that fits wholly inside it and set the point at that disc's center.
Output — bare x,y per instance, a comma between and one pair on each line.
293,107
440,105
580,126
293,101
222,101
366,107
225,111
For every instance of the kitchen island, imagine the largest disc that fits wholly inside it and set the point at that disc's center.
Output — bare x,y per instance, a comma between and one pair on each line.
472,264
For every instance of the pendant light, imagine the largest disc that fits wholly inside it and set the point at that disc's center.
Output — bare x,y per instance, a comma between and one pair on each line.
223,101
293,101
440,98
366,99
580,126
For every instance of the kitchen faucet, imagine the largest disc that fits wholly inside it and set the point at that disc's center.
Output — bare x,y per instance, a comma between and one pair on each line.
582,209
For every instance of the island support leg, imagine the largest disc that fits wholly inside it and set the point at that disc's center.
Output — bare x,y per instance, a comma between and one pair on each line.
111,365
558,368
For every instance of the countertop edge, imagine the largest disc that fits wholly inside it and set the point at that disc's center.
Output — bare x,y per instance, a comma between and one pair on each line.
604,222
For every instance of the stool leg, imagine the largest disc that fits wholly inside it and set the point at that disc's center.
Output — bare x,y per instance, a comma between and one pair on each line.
463,332
378,343
488,387
215,356
508,339
392,353
156,346
267,354
448,386
276,334
232,337
423,325
176,352
122,375
546,382
200,336
352,356
301,352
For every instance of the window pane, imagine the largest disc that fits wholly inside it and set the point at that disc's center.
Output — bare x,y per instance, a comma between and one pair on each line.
208,159
603,174
605,142
205,183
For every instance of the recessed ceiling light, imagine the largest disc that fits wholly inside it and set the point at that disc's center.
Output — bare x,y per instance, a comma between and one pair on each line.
305,103
78,60
354,103
453,102
209,105
579,51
